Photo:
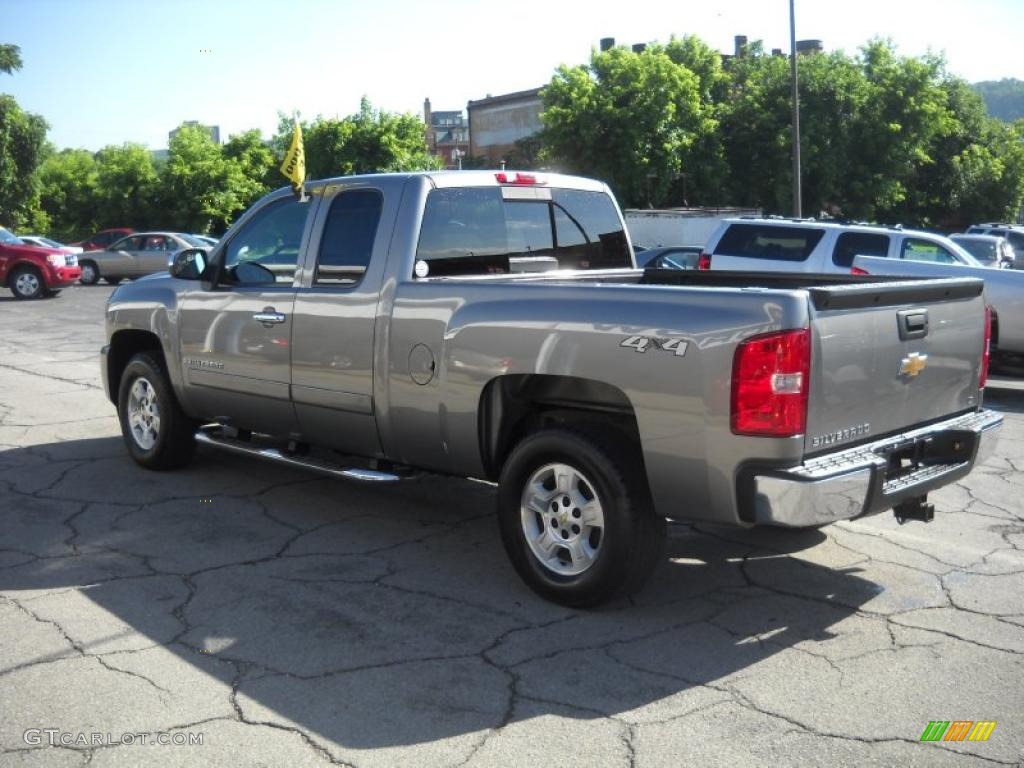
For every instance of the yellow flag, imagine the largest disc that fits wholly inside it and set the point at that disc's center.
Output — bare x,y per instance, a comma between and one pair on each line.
294,165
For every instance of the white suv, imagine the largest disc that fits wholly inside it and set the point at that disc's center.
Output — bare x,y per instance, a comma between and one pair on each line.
800,245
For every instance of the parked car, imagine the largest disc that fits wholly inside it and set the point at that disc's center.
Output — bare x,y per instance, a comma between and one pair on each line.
670,257
801,245
32,272
103,238
602,399
991,250
1012,232
134,256
44,242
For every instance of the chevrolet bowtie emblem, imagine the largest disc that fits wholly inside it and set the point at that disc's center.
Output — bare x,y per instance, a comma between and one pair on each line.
913,364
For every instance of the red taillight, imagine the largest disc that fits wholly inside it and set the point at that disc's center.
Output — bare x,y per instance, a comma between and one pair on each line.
986,352
770,378
704,261
858,271
517,178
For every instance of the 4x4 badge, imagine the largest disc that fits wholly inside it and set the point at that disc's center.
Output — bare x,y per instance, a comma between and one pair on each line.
913,364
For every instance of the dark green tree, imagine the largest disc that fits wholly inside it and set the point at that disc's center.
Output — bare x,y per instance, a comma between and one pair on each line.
202,190
126,188
256,159
370,141
22,149
628,118
68,181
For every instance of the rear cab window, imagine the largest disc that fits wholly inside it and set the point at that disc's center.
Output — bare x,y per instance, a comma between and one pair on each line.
348,238
491,230
765,241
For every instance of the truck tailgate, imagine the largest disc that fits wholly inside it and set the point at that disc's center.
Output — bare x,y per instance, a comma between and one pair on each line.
887,356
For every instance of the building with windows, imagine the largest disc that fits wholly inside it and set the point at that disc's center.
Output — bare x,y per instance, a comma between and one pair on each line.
447,134
213,130
496,123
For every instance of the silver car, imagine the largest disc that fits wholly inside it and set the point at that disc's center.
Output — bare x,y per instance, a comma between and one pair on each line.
138,254
990,250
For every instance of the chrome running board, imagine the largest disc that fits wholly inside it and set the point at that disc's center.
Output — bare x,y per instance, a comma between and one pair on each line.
247,448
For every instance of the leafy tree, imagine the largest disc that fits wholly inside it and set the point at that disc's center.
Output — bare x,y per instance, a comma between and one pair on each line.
22,149
370,141
10,58
68,182
256,160
202,189
630,118
126,188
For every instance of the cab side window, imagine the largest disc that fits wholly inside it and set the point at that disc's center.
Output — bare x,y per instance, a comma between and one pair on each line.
925,250
266,249
349,233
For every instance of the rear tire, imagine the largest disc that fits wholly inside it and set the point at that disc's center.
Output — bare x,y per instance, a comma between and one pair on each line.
606,541
27,283
90,273
158,434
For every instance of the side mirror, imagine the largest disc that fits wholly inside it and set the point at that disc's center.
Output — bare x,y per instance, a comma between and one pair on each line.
188,264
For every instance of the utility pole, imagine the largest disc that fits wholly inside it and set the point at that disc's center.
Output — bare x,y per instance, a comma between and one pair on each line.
797,206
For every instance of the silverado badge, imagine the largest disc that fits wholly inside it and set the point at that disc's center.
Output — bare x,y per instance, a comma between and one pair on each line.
913,364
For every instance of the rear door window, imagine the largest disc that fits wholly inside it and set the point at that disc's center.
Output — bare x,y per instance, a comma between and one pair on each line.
760,241
489,230
851,244
349,234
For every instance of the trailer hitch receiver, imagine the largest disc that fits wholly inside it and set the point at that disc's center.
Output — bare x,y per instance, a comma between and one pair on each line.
916,508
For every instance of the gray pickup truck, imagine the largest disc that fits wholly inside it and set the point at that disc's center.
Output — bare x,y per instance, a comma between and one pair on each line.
493,325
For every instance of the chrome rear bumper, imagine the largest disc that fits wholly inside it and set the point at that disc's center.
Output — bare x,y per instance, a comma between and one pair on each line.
873,477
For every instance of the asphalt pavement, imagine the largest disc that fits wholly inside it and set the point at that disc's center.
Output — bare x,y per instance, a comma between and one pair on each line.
250,615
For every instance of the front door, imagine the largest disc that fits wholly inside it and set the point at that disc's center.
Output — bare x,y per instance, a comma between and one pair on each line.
236,337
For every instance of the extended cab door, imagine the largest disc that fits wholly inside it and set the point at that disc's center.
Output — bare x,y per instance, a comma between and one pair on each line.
335,314
236,335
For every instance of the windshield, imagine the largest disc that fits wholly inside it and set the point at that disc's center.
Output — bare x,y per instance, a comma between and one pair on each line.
967,258
8,238
195,242
985,250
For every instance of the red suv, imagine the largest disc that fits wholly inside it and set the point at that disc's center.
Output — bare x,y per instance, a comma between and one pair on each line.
32,272
103,238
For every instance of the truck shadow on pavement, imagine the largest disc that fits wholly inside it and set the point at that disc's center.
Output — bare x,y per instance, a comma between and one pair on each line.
364,617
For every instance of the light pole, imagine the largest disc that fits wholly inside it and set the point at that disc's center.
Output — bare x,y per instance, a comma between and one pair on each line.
797,206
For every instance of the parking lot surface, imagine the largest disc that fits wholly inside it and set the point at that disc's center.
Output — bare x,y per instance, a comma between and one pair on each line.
284,619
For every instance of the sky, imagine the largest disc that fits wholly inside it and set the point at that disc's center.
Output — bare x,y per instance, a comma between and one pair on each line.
109,71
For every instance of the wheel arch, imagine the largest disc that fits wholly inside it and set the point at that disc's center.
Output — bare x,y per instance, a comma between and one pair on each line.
124,345
513,405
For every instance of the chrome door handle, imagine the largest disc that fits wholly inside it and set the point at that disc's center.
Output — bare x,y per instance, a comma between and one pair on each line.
269,317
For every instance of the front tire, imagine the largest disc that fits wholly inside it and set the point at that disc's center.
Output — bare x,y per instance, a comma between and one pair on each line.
27,283
158,434
576,517
90,273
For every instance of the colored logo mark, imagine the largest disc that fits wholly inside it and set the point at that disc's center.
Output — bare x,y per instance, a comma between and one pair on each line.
958,730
